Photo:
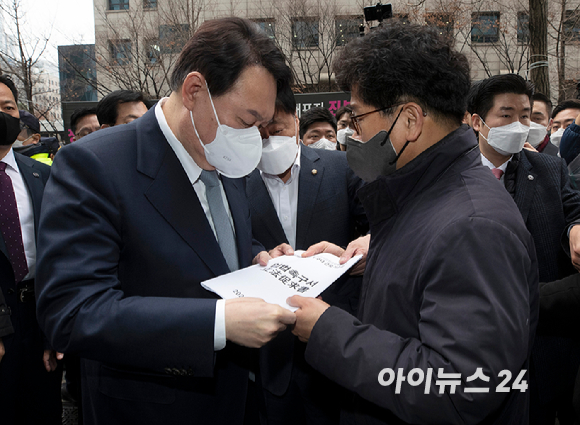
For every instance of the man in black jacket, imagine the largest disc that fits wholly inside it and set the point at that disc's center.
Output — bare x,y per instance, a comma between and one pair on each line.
540,187
450,287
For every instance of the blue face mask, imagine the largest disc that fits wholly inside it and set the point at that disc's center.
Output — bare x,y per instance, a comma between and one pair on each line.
9,129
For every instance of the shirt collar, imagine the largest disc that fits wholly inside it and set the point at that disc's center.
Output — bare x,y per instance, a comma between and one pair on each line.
489,164
192,170
10,160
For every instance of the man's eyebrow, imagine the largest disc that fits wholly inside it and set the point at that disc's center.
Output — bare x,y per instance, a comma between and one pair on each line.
256,114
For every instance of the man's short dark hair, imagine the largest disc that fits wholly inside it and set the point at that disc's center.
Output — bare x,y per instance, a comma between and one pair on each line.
79,114
7,81
285,101
314,115
343,110
541,97
222,48
471,96
499,84
406,62
107,106
566,104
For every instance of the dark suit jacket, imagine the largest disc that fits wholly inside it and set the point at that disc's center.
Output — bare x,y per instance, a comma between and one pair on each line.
328,210
123,247
451,282
541,189
35,176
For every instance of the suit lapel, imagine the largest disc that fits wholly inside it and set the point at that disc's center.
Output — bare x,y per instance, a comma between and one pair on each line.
35,187
172,194
262,206
308,185
525,186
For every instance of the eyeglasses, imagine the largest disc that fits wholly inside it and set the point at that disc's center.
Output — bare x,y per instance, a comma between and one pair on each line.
354,118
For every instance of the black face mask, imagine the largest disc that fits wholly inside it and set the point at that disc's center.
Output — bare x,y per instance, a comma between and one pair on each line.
9,129
375,158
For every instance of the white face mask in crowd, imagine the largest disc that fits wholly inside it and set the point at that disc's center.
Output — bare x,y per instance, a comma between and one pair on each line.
278,154
537,134
324,144
507,139
557,136
342,134
234,152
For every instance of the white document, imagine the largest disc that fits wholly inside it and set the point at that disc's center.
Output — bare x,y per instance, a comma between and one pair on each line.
282,278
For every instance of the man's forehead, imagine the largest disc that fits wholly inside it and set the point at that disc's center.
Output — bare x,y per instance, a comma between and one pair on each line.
6,94
567,113
511,101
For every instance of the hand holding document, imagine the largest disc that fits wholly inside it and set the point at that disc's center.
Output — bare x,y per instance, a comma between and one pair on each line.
282,278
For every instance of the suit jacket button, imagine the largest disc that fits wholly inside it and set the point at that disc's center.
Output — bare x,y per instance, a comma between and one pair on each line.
167,370
175,372
530,177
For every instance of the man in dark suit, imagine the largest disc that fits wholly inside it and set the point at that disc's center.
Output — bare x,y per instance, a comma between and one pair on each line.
301,196
540,187
29,387
136,217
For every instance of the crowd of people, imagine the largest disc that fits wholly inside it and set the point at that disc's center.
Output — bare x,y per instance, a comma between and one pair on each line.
462,198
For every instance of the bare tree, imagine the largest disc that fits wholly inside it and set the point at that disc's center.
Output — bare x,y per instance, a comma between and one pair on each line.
539,71
135,50
22,56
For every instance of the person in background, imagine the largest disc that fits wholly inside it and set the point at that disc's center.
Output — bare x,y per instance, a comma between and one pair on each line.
540,125
43,151
318,129
83,122
540,186
29,374
30,130
292,194
343,126
563,115
120,107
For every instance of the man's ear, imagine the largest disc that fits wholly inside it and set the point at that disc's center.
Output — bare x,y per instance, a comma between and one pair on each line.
104,126
35,139
193,84
414,119
476,122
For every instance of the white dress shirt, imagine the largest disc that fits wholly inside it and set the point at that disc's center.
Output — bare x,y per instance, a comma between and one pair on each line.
285,198
502,167
25,212
193,172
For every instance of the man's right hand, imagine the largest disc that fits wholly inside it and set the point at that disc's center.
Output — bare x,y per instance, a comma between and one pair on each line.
252,322
2,351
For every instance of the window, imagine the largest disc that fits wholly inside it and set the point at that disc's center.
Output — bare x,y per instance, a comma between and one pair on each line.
149,4
152,52
118,4
120,52
485,27
572,25
347,29
304,33
172,38
268,26
523,27
443,22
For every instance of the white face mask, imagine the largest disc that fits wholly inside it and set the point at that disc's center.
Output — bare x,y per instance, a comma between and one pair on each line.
557,136
324,144
234,152
342,134
537,134
278,154
507,139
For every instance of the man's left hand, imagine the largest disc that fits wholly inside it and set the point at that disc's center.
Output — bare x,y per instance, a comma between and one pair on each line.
263,257
49,359
575,246
308,313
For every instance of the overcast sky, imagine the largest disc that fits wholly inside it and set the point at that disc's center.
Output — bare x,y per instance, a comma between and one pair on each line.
67,22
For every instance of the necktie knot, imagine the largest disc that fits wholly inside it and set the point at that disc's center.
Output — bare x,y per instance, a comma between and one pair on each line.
209,178
497,173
